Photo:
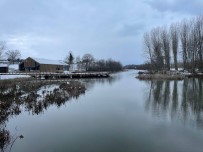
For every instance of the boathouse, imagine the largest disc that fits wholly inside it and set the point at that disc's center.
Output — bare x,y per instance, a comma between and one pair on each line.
3,68
42,65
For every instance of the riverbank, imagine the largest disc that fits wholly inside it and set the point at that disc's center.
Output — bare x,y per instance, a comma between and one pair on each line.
160,77
169,75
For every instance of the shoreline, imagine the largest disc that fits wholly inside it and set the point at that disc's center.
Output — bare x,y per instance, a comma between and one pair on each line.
160,77
168,76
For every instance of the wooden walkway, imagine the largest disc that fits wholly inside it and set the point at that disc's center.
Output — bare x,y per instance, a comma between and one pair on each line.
50,75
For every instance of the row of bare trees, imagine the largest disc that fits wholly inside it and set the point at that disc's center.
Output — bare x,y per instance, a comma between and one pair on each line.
165,44
11,55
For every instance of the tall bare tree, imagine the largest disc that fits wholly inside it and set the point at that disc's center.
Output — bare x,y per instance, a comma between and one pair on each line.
157,56
166,46
2,48
174,40
190,34
184,39
13,55
147,44
79,63
193,46
199,35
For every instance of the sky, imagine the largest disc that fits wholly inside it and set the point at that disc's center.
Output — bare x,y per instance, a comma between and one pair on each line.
104,28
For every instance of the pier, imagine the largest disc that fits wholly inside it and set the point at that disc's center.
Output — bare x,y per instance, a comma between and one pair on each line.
51,75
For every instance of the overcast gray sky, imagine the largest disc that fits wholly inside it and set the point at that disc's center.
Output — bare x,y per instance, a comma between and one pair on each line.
105,28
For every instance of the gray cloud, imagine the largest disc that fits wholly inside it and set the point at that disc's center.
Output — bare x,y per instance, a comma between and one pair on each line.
132,29
182,6
107,28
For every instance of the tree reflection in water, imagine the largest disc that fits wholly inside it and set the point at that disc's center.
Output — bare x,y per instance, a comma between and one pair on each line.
35,97
177,100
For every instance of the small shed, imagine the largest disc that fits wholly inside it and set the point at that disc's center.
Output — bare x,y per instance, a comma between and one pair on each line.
42,65
3,68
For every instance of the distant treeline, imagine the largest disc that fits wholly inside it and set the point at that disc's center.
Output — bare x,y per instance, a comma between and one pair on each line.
105,65
89,63
130,66
145,66
185,38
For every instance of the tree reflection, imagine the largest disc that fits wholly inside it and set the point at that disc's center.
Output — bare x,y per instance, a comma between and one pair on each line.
184,103
35,97
90,83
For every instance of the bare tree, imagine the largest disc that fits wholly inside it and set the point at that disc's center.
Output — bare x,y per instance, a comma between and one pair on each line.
166,46
190,34
174,40
199,43
87,59
2,48
184,38
193,46
13,55
147,44
79,63
157,56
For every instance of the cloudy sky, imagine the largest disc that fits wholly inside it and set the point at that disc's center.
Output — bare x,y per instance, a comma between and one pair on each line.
105,28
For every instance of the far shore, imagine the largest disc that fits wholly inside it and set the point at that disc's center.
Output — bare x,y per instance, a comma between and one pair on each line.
160,77
170,75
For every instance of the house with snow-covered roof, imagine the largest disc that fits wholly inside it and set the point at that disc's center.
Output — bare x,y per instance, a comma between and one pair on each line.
42,65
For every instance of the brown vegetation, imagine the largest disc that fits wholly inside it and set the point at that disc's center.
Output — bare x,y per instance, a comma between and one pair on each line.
34,96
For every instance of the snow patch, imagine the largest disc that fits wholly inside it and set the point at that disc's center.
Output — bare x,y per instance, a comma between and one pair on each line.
3,77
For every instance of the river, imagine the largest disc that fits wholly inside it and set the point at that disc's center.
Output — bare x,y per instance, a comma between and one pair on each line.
120,114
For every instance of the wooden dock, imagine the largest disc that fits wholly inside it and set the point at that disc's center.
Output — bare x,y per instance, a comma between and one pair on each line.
51,75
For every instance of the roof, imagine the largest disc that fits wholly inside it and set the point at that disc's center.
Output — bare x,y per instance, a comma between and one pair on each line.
3,65
47,61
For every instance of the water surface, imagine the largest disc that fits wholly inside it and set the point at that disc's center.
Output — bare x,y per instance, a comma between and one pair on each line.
121,114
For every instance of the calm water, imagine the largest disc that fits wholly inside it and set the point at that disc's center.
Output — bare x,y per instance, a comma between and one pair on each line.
122,114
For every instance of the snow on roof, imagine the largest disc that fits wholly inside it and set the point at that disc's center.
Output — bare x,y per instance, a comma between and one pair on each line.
3,65
47,61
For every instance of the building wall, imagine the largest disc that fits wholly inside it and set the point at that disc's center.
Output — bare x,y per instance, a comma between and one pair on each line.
3,69
50,68
30,64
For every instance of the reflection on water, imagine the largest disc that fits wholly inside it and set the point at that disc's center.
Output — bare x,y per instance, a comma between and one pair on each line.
111,116
34,97
90,83
177,100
